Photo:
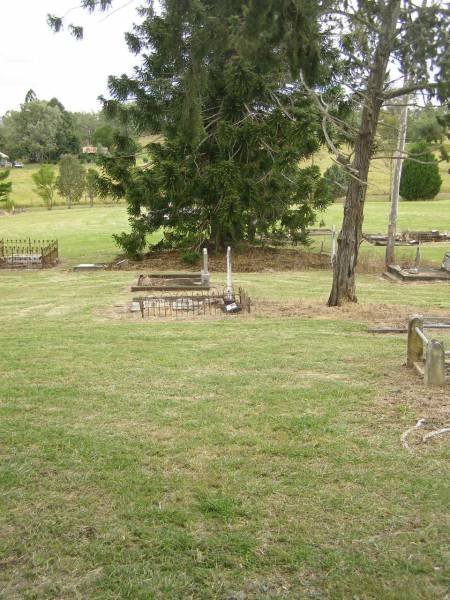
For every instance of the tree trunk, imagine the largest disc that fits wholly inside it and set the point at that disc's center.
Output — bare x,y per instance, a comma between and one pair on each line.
251,228
395,188
217,240
350,237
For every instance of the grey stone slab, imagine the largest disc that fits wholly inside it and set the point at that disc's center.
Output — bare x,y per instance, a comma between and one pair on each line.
88,267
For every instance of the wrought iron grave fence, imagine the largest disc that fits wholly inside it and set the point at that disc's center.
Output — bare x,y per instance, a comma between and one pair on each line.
182,304
28,253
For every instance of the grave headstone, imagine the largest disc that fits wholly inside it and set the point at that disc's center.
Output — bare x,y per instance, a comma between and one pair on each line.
88,267
229,287
446,262
205,273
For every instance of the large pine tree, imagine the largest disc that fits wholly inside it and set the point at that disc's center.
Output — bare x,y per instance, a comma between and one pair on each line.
214,81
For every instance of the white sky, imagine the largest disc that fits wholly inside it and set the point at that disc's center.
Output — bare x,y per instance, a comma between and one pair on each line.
75,72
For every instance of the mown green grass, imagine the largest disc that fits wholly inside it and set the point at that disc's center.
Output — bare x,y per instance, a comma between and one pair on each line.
23,193
424,215
413,216
243,458
86,234
379,182
23,189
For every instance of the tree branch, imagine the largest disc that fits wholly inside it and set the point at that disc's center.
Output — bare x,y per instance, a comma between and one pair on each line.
411,88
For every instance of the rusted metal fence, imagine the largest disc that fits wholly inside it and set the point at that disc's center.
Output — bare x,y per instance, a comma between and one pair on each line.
428,356
28,253
193,304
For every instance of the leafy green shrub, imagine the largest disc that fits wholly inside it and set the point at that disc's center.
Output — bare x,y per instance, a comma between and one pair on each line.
189,257
45,181
420,174
133,243
337,181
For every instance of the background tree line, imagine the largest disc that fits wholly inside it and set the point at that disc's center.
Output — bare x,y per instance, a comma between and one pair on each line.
43,131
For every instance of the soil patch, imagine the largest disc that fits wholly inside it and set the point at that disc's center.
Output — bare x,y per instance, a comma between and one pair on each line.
405,389
406,400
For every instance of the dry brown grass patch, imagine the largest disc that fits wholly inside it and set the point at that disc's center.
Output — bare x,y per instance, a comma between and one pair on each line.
251,260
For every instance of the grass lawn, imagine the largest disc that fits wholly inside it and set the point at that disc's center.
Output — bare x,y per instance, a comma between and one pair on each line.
422,216
250,458
23,194
85,234
380,175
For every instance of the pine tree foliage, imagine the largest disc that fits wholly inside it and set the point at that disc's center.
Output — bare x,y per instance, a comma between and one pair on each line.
337,181
215,81
30,96
421,179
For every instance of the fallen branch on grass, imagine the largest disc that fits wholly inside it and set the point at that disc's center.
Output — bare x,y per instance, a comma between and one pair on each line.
420,423
425,438
433,434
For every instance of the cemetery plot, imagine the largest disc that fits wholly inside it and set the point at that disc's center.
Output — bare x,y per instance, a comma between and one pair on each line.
28,253
195,304
175,281
408,238
168,281
175,301
418,273
428,356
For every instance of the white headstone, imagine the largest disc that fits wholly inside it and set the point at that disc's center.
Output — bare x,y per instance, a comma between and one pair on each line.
418,258
205,273
446,262
229,288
